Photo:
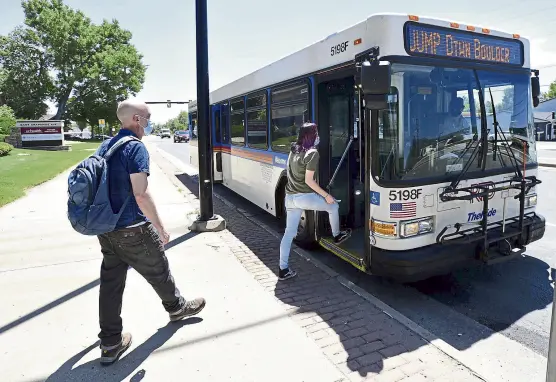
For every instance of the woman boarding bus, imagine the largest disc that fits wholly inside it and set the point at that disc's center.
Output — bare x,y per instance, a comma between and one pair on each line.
304,193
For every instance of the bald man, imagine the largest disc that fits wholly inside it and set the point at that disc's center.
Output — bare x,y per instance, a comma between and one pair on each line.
139,238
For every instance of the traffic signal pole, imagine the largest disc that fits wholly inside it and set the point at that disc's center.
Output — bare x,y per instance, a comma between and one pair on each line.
206,220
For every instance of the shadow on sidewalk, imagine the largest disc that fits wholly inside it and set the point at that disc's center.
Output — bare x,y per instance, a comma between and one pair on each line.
81,290
179,240
122,369
356,336
50,305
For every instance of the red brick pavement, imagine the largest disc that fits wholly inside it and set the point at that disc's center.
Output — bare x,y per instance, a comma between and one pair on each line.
362,341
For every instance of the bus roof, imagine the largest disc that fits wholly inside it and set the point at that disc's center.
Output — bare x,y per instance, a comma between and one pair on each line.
384,30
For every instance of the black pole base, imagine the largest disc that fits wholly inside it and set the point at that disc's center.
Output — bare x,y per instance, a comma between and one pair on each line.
215,224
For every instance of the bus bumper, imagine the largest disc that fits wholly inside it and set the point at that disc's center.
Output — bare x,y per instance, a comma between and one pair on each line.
438,259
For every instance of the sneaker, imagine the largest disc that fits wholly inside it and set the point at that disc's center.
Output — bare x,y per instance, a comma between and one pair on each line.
110,354
342,236
285,274
190,308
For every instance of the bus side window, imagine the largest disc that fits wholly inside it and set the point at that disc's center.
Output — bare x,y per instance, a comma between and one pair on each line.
289,110
217,126
257,121
237,125
224,125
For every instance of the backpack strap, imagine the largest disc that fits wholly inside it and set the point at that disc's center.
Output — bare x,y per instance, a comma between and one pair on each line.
118,145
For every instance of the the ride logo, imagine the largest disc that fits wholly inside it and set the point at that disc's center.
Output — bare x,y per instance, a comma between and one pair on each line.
476,216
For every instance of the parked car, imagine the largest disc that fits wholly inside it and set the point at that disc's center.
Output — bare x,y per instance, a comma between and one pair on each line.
181,136
165,133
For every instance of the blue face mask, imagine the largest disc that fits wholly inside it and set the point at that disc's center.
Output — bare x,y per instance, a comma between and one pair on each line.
149,128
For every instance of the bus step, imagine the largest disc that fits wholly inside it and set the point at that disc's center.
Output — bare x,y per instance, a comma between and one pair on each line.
347,252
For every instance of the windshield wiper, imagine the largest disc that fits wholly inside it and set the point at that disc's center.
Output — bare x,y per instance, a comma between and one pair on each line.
484,128
508,149
481,145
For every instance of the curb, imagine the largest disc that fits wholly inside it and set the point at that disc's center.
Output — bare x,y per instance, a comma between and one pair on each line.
553,165
426,335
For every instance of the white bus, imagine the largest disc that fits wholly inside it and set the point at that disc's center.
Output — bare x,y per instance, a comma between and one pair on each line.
423,192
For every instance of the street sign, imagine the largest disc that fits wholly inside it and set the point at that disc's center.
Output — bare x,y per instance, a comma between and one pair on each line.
101,123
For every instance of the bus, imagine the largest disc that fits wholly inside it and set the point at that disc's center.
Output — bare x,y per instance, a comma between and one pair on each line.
424,192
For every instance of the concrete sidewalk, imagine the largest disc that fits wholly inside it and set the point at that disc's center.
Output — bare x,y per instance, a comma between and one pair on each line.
48,323
311,328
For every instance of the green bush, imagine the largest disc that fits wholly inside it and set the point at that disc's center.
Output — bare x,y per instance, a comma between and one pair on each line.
5,149
7,120
2,138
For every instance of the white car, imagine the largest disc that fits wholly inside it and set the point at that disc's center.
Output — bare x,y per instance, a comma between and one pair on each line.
165,133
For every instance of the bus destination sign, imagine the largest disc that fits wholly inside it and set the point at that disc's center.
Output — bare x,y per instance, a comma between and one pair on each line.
433,41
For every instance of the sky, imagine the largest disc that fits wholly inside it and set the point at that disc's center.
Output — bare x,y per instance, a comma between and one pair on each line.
245,35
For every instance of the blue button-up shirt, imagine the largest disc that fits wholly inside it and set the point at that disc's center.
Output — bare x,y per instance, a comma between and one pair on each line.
132,158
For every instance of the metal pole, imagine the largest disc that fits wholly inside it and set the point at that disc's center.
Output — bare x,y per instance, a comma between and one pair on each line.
203,106
551,368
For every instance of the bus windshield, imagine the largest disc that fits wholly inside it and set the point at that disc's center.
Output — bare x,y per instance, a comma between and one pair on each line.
433,122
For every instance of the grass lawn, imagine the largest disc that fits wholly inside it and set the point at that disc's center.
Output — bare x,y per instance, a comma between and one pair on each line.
23,169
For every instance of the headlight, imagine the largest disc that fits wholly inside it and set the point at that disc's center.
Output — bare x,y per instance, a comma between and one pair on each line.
386,229
417,227
530,201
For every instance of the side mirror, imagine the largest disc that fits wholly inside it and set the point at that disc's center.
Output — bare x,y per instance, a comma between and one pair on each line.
375,83
535,90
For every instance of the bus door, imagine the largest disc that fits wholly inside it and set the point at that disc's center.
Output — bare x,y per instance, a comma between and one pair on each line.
340,165
216,143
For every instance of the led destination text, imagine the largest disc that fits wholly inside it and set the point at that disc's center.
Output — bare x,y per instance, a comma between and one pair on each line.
445,43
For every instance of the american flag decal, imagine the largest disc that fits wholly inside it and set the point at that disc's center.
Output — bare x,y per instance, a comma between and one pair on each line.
403,210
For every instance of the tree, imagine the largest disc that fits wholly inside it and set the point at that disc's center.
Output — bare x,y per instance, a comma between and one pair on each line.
507,100
7,120
181,122
551,93
25,82
86,64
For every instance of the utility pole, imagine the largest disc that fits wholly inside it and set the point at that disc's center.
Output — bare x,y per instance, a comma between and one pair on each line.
551,364
206,221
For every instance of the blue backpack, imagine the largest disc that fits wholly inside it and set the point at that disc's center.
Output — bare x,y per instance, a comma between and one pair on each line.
89,208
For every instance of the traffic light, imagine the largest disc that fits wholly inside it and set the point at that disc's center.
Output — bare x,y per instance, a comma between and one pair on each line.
169,104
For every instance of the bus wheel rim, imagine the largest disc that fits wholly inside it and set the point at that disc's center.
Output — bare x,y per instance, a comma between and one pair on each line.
302,223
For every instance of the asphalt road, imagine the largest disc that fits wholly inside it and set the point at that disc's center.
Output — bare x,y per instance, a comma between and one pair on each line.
513,299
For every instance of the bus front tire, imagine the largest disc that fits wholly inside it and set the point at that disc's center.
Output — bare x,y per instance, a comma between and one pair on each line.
305,237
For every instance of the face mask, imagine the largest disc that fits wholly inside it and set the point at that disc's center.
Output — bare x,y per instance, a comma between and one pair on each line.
317,141
149,128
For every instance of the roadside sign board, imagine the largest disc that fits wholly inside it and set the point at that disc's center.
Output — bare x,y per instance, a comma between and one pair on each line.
41,133
101,123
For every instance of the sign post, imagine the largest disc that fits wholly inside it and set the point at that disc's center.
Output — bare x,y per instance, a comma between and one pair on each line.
206,221
101,125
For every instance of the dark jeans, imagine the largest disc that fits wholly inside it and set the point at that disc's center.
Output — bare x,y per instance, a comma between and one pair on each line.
140,248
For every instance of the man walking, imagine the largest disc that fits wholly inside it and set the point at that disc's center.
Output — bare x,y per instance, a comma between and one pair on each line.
139,238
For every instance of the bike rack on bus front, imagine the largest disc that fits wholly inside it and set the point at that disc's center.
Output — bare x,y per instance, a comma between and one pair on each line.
516,224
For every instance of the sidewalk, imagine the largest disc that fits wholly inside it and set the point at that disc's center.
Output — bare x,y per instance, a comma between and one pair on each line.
547,162
310,328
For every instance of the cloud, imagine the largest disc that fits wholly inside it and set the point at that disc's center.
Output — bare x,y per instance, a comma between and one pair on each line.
541,54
